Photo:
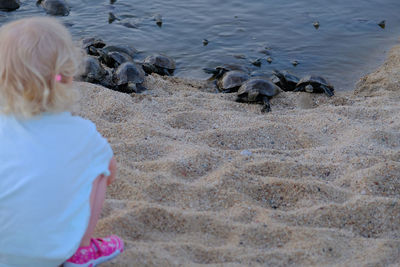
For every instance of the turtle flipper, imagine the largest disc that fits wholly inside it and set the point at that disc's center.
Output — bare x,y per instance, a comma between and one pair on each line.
266,107
140,88
239,100
327,90
165,72
148,68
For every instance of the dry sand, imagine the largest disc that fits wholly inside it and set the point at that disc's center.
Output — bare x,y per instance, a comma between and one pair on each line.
205,180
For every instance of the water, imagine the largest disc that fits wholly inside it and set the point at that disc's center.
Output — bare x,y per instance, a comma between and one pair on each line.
348,43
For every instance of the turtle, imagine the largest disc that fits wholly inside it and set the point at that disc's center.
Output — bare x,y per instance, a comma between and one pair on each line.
128,78
219,71
91,45
314,84
258,90
158,19
285,80
55,7
112,17
9,5
382,24
96,73
113,59
159,64
127,49
231,81
129,25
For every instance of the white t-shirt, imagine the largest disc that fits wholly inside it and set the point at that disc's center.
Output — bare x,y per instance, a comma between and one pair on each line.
47,167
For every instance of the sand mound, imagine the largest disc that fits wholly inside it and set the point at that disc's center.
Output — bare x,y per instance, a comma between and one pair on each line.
205,180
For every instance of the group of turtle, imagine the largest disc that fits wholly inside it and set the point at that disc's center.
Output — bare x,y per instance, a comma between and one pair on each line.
113,66
259,88
52,7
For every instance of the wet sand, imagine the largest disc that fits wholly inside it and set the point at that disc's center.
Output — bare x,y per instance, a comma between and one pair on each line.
204,180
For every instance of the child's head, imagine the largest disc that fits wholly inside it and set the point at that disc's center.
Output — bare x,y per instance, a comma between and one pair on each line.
37,62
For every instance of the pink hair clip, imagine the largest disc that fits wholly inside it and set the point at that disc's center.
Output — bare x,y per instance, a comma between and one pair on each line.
58,77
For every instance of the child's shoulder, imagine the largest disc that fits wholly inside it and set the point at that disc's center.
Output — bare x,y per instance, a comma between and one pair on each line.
79,122
75,128
64,121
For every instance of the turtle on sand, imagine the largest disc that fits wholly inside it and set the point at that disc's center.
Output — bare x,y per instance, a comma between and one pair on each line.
159,64
128,78
258,91
97,73
285,80
113,59
231,81
314,84
219,71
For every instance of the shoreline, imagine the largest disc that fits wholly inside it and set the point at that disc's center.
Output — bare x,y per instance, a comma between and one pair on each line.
205,180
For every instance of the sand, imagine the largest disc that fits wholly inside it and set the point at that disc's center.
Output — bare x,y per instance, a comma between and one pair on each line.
204,180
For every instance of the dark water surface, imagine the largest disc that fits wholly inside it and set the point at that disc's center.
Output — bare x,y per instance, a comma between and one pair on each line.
347,44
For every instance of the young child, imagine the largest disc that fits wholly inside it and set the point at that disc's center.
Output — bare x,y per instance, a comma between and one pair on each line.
54,167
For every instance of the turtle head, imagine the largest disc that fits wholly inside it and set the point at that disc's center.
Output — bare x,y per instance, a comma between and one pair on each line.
252,95
309,88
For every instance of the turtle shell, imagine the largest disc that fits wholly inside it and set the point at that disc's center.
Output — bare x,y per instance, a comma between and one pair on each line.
9,5
94,72
219,71
259,88
285,80
128,72
315,81
129,50
92,41
160,61
114,59
232,80
312,79
55,7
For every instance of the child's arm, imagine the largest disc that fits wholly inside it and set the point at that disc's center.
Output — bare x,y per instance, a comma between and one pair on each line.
113,170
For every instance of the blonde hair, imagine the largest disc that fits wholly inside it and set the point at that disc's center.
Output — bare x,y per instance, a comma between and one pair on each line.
32,52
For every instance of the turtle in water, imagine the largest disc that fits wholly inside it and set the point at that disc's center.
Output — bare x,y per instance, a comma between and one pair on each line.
128,78
285,80
159,64
91,45
9,5
314,84
231,81
55,7
258,91
127,49
158,19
